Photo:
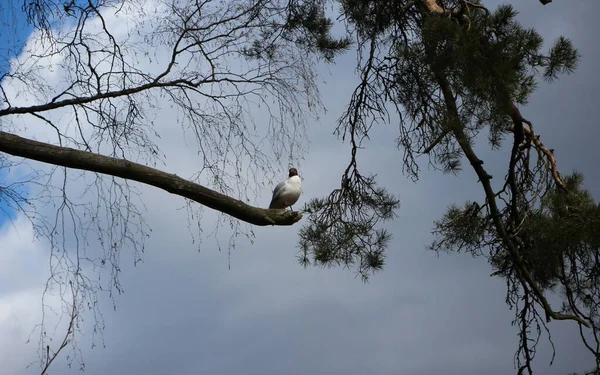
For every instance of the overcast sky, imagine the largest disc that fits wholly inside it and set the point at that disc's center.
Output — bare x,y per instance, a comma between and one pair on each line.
187,312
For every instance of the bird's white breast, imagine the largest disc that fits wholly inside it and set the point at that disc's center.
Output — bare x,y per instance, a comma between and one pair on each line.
291,190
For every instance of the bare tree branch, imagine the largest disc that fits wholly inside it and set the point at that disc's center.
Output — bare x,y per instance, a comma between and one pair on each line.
71,158
50,357
548,153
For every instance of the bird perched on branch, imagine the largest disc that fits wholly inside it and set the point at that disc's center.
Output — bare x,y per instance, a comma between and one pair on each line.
286,193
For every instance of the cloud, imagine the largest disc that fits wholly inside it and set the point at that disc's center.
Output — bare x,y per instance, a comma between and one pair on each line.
23,272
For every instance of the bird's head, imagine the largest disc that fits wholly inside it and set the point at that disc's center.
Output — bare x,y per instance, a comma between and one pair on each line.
293,172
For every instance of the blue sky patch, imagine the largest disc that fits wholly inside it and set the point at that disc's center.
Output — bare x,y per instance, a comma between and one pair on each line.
14,31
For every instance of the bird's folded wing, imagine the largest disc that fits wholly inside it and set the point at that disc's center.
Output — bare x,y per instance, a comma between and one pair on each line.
278,189
276,193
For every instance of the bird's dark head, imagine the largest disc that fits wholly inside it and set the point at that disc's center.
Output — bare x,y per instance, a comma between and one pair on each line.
293,172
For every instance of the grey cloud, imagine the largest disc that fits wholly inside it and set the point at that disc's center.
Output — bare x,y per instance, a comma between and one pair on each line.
185,312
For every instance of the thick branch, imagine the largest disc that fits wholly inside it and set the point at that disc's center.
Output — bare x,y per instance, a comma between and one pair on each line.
71,158
518,121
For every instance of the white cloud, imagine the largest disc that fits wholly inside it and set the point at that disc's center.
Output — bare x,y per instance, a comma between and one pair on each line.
21,259
19,314
23,272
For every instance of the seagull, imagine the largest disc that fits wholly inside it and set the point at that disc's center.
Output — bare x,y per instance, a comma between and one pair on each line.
286,193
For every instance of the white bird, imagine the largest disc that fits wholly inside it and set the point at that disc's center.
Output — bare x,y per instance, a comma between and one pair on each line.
286,193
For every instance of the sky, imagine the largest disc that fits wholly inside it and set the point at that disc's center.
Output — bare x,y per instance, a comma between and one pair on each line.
14,31
257,311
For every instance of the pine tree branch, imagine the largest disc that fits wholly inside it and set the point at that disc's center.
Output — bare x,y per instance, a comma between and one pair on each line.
460,12
549,153
88,161
523,273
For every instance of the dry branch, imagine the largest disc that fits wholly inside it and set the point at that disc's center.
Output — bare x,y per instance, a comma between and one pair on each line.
433,7
535,139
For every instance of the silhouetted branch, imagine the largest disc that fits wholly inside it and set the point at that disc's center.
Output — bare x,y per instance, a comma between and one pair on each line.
71,158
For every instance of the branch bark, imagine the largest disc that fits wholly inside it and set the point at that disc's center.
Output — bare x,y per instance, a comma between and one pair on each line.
549,153
433,7
88,161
